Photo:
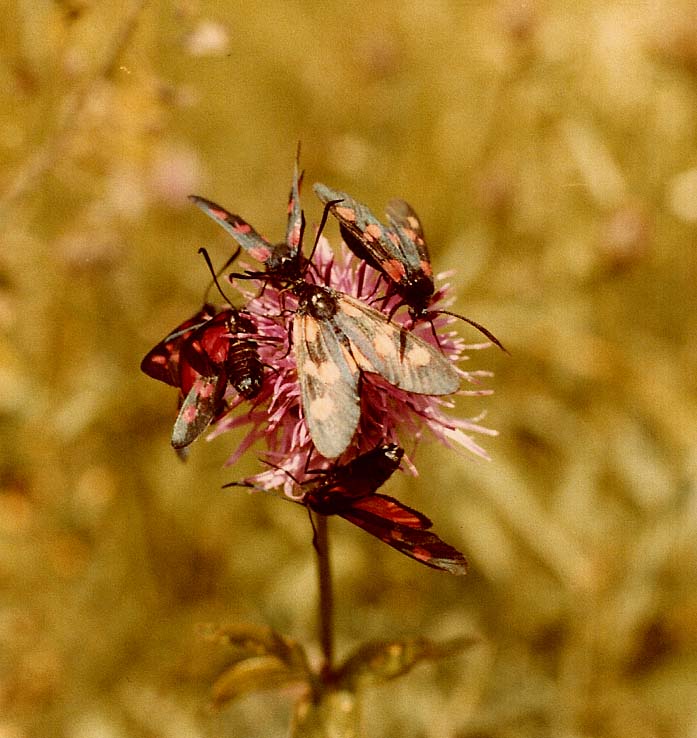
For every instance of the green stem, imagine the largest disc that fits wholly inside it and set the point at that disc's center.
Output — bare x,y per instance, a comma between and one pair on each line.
326,596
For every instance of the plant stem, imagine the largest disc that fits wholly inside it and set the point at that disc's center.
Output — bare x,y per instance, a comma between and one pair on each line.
326,596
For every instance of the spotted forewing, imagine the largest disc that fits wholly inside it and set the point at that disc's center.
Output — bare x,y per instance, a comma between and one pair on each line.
335,338
282,260
398,251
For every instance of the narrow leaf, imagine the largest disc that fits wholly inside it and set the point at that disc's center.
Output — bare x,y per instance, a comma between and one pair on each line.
378,662
253,674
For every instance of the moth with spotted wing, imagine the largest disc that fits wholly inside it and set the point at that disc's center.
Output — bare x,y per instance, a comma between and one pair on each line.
163,361
335,338
201,357
283,261
398,252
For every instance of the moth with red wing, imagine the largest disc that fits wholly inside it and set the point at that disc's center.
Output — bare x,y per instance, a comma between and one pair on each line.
399,252
283,261
201,357
350,491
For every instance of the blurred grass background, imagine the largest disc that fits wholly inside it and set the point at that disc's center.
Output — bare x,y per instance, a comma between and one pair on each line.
550,150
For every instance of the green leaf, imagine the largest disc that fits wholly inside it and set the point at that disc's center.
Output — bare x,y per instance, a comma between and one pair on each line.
254,674
381,661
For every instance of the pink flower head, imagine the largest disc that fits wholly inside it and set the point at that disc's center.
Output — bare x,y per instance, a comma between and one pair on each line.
387,414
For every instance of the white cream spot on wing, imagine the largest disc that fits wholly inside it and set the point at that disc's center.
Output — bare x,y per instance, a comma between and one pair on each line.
328,372
321,408
310,369
351,361
418,355
383,342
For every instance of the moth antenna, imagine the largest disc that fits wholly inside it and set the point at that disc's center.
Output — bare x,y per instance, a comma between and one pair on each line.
261,276
263,489
249,485
290,340
299,255
474,324
300,175
307,468
209,263
220,271
247,275
322,223
360,275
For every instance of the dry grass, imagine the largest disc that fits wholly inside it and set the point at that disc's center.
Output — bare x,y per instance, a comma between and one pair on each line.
551,152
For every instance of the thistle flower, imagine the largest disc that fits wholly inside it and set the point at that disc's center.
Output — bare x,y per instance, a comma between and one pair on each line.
388,414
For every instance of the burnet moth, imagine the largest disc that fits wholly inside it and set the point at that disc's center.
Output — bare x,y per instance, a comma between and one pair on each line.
220,352
350,491
224,344
204,355
399,251
335,338
282,260
399,254
200,397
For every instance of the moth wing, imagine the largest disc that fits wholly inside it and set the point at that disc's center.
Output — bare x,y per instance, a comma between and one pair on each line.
364,475
328,378
382,517
387,349
295,213
162,361
253,243
355,482
363,233
200,407
187,376
407,223
388,508
207,346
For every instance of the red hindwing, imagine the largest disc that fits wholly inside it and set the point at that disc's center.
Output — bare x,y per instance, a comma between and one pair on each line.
349,491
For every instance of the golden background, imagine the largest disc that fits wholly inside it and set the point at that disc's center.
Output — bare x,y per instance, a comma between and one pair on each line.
551,151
